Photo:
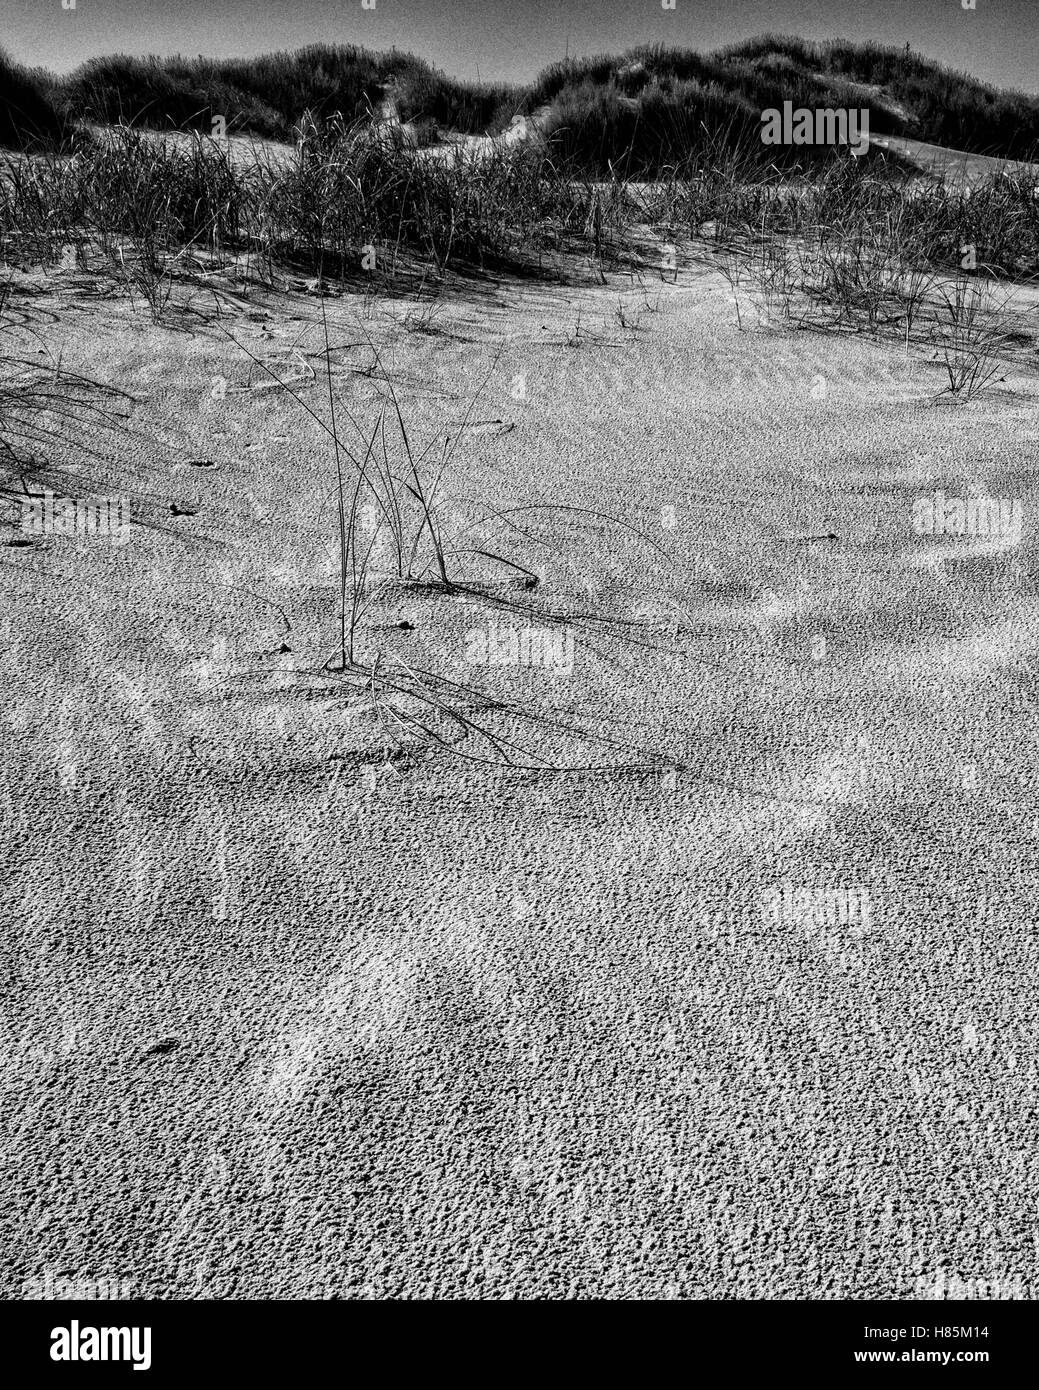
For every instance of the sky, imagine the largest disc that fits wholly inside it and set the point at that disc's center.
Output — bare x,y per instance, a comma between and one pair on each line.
501,40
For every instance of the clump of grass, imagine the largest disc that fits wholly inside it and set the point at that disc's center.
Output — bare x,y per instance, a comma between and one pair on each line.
351,186
905,219
379,466
351,198
124,187
382,470
971,337
864,249
426,95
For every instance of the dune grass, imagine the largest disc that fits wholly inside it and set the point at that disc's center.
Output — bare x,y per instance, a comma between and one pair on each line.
632,155
851,245
633,109
350,200
665,136
848,251
632,105
28,117
268,95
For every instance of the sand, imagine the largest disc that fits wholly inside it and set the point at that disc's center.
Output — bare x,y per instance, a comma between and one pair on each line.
284,1018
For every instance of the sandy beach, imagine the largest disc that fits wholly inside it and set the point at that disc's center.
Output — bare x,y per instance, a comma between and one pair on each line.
286,1016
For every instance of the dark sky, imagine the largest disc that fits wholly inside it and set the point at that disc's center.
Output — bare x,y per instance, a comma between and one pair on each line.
998,41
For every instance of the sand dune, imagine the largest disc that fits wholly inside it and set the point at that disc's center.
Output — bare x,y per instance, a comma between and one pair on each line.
284,1017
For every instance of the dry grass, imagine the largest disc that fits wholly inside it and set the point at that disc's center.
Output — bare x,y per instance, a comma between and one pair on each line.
353,200
46,412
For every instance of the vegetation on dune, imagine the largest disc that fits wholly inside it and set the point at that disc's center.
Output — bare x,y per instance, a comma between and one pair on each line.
640,111
603,132
349,201
920,224
259,96
469,107
353,201
666,90
269,95
27,115
648,110
635,154
645,163
941,106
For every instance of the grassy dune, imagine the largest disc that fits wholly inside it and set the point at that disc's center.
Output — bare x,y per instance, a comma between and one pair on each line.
637,110
28,116
645,106
269,95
